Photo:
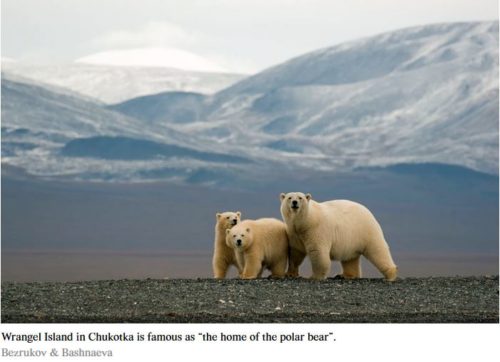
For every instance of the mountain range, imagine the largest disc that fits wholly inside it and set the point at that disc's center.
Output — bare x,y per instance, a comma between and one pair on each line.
418,95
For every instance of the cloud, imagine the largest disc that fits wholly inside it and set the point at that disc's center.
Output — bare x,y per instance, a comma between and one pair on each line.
154,57
152,34
164,37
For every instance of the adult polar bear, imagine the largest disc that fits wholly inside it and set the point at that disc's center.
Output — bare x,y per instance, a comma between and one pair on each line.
333,230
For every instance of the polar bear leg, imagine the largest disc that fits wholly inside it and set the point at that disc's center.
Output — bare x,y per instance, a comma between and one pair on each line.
296,258
220,267
278,269
320,263
239,262
351,269
391,274
252,268
380,256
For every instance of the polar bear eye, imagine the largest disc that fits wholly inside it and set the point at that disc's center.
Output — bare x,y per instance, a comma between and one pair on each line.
227,217
234,236
300,198
290,198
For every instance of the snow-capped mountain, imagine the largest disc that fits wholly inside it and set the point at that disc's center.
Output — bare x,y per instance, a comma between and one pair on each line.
423,94
153,57
53,134
113,84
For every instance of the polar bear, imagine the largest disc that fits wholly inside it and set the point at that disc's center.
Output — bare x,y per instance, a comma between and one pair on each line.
223,255
333,230
259,244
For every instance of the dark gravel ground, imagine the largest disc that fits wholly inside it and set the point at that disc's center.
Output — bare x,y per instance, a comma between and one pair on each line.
409,300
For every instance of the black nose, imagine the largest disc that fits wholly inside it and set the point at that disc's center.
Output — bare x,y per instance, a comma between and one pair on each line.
238,242
235,221
294,202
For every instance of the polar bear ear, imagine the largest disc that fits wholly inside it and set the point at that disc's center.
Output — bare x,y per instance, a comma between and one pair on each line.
228,231
238,213
308,197
248,230
218,215
282,196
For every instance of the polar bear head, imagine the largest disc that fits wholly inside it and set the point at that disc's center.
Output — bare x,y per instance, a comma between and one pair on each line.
226,220
239,237
293,204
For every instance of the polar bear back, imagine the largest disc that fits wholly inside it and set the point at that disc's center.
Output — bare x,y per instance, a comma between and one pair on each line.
347,226
269,235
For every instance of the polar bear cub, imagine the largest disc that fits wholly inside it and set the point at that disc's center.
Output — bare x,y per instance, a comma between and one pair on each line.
334,230
259,244
224,256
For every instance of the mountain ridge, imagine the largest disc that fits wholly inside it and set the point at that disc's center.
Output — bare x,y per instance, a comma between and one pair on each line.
423,30
114,84
436,102
452,93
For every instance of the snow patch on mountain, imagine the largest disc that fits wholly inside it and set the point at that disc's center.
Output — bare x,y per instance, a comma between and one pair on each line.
114,84
424,94
153,57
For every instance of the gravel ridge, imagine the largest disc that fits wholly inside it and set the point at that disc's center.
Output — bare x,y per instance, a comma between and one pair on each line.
407,300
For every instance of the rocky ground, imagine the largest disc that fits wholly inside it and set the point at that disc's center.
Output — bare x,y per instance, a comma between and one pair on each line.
409,300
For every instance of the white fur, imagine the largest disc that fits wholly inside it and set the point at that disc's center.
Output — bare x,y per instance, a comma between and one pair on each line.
224,256
334,230
263,243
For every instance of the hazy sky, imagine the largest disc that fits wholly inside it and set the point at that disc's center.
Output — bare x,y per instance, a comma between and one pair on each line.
240,35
